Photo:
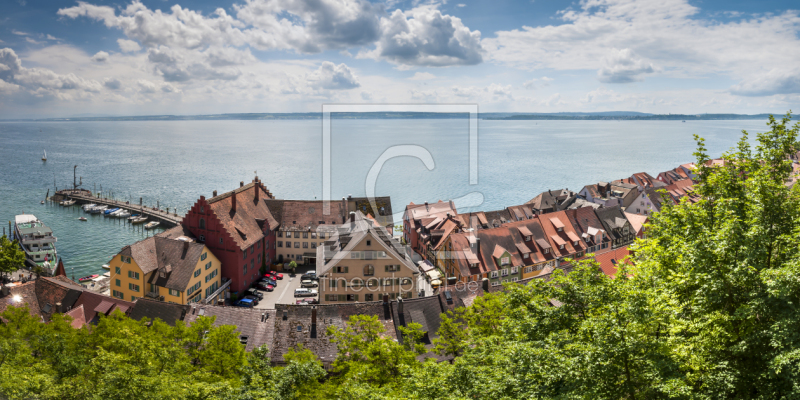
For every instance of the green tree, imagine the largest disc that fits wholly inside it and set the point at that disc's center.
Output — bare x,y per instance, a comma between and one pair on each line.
292,266
12,257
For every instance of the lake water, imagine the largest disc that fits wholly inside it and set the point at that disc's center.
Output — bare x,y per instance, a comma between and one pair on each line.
174,162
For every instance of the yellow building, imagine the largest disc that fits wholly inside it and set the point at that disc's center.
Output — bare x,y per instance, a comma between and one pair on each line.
177,270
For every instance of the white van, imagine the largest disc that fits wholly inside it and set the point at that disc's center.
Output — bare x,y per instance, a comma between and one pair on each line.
303,292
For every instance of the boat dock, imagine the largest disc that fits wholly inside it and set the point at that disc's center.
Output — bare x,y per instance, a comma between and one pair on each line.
166,219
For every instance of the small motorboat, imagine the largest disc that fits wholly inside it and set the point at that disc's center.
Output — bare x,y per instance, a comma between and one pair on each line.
68,203
151,225
110,210
133,217
82,219
106,266
107,275
87,207
44,157
98,209
42,202
88,278
139,220
122,214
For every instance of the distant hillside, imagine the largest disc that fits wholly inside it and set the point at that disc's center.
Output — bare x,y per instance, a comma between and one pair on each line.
606,115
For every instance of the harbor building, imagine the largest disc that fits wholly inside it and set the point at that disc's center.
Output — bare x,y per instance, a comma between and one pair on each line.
179,271
237,227
302,224
361,262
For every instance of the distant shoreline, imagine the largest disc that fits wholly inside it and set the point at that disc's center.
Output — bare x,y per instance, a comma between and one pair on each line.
600,116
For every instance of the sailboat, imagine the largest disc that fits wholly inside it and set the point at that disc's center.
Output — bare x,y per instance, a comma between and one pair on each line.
44,157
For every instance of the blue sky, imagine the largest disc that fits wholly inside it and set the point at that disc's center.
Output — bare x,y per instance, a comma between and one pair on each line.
60,58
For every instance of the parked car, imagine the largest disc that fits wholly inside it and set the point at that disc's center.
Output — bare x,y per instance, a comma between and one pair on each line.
269,281
253,298
307,300
308,283
244,303
274,275
254,292
264,286
310,275
303,292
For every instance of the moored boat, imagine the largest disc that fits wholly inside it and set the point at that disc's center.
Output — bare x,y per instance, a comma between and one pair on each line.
88,278
108,211
98,209
139,220
133,217
68,203
37,241
122,214
106,266
151,225
82,219
87,207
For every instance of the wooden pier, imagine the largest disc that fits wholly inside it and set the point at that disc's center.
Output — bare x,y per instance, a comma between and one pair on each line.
165,219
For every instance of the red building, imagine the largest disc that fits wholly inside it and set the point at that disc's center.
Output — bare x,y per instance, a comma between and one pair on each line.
237,227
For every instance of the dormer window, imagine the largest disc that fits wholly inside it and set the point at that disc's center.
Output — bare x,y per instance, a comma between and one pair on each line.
527,238
561,247
576,242
546,251
560,229
505,261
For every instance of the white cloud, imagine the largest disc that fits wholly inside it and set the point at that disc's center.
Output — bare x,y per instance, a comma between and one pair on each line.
40,82
776,81
422,76
51,37
667,33
424,36
112,83
128,46
19,33
462,5
146,86
333,77
32,41
100,57
622,66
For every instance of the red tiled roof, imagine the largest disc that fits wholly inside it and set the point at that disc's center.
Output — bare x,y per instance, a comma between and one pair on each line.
78,320
524,230
104,307
558,240
610,260
90,301
556,222
572,236
242,225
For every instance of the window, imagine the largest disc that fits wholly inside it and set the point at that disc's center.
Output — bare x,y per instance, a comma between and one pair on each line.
576,242
504,272
118,282
305,245
313,235
208,265
369,242
528,270
330,297
296,235
313,245
495,274
357,283
527,238
405,281
202,209
561,247
211,275
296,245
133,275
352,297
305,235
341,270
203,256
504,261
220,240
525,255
118,295
368,297
117,270
369,270
133,287
245,269
252,265
244,255
392,268
197,273
514,270
373,282
173,292
133,298
258,244
280,243
280,234
202,238
202,223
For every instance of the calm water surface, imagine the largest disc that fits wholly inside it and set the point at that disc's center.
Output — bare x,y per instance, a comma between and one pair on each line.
174,162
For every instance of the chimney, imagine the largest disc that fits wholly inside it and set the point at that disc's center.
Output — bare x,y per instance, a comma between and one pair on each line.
352,217
426,206
285,315
314,322
486,285
185,248
263,317
241,183
400,306
385,299
257,189
214,193
59,309
233,201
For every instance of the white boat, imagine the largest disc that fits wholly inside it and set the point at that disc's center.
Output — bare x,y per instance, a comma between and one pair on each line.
44,157
139,220
122,214
106,266
133,217
86,207
68,203
37,240
151,225
107,275
98,209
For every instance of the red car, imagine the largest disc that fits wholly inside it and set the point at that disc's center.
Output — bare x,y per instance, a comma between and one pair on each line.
266,287
273,275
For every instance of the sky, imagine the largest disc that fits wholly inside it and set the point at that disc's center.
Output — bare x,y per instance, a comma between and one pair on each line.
99,57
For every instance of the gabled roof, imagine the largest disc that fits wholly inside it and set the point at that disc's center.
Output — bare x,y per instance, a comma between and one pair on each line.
552,199
613,219
306,215
77,315
90,301
175,257
637,221
247,215
153,309
585,221
257,325
610,260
